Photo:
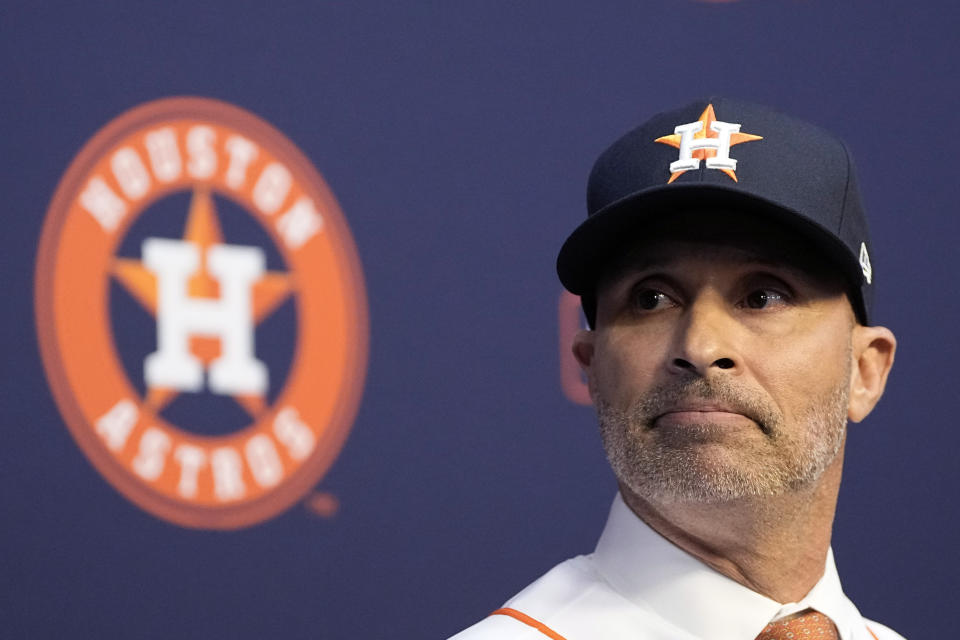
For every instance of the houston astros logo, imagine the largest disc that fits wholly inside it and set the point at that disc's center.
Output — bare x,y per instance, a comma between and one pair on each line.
705,139
201,313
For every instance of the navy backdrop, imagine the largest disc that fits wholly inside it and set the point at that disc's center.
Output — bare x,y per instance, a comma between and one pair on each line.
457,138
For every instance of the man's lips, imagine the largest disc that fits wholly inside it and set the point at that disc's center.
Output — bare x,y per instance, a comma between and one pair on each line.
717,414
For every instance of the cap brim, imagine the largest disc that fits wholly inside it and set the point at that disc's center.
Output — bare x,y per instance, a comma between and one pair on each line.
620,224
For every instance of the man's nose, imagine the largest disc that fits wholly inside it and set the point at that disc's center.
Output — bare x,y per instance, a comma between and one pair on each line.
705,339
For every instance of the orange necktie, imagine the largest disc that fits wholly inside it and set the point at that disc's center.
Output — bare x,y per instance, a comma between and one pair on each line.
808,624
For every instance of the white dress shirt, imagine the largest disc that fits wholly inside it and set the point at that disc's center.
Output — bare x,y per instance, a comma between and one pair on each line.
637,585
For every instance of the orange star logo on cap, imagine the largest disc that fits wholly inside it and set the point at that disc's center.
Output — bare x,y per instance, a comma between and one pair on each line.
705,139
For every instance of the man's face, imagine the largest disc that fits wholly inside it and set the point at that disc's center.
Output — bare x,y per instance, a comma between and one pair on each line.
720,366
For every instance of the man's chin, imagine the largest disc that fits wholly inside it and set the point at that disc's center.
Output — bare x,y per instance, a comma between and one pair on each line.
724,438
708,473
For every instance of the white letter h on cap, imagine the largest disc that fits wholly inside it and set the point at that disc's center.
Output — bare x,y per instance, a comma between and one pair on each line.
720,144
179,316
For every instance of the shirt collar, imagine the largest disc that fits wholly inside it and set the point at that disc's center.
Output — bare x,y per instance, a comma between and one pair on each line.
655,575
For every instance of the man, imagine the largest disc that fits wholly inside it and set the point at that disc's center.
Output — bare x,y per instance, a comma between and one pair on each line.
724,269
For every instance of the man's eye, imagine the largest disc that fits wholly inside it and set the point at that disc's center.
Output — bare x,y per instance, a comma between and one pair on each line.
649,299
764,298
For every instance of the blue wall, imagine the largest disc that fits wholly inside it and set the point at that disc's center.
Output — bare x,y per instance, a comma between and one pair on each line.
457,138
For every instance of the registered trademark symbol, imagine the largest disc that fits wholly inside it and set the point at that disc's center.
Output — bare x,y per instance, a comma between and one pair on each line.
322,504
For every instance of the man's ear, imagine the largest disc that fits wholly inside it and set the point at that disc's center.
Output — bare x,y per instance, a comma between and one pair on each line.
583,348
873,351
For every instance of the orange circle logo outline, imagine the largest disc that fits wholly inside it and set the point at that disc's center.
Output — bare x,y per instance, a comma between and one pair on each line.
204,146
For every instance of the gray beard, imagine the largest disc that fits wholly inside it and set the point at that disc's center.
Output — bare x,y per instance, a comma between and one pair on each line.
672,465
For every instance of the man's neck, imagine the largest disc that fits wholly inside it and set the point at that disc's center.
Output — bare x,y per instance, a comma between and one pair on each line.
776,546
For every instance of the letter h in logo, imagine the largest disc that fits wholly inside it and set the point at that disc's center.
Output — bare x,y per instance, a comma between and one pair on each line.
236,371
719,143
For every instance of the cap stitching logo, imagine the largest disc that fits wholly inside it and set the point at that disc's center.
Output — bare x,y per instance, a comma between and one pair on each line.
865,263
705,139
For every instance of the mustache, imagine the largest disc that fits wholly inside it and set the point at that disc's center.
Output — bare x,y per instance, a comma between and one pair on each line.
668,397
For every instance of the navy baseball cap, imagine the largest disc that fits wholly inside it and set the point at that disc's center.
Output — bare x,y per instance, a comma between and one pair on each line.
720,155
